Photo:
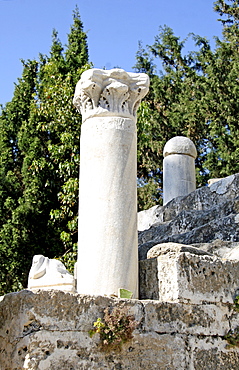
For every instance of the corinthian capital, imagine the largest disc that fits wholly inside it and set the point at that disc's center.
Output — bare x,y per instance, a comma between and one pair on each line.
110,93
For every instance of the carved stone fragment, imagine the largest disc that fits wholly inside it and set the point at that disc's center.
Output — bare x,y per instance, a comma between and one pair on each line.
110,93
48,273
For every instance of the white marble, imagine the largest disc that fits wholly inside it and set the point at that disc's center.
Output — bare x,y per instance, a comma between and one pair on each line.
178,168
148,217
114,93
108,255
48,273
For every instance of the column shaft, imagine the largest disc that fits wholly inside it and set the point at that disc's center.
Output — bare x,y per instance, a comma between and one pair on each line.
107,241
107,236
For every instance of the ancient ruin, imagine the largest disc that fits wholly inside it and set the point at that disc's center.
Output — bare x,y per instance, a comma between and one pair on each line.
178,168
108,256
187,314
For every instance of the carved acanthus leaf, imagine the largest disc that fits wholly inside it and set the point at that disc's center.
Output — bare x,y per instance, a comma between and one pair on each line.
110,93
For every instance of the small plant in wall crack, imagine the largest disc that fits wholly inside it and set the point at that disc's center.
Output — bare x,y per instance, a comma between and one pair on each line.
115,328
232,337
236,303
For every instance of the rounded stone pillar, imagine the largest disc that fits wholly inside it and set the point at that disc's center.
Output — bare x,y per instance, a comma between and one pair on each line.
107,232
178,168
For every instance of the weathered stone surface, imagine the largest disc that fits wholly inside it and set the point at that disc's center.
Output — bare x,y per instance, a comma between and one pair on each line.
203,216
232,254
201,199
177,273
165,248
50,330
211,354
220,248
148,279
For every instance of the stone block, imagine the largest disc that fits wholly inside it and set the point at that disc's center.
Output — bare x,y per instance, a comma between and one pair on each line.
212,354
186,274
50,330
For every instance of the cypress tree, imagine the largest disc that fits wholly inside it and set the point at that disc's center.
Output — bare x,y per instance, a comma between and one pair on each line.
196,95
40,164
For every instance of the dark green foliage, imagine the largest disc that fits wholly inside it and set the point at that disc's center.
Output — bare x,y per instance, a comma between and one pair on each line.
229,10
232,337
77,49
196,95
40,160
236,303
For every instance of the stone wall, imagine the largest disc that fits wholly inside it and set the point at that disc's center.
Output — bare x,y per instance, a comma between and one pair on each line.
186,315
50,330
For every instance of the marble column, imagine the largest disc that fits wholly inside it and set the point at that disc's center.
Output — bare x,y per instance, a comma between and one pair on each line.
107,232
178,168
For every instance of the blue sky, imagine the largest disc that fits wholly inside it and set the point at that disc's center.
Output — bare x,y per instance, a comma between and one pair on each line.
114,28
